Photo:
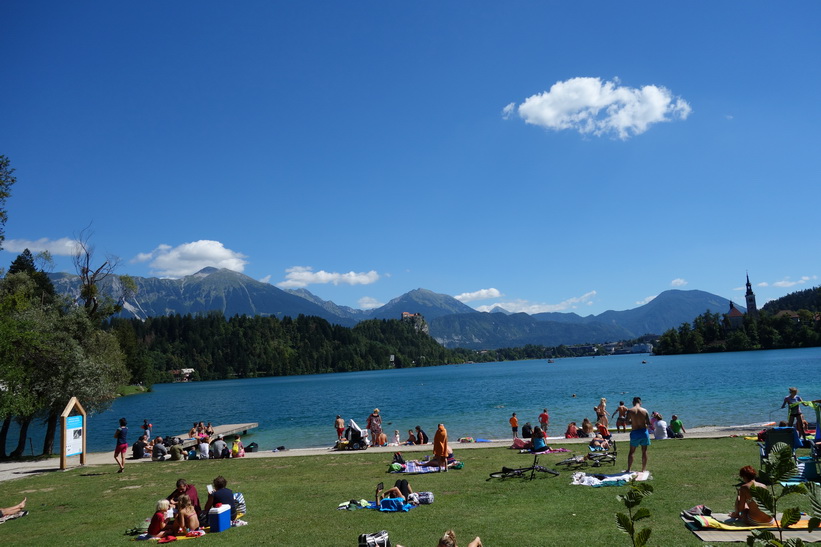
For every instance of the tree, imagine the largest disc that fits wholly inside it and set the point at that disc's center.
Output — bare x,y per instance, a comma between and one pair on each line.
7,180
98,307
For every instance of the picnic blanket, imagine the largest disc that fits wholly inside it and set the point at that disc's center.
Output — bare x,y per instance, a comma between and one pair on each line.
414,466
598,480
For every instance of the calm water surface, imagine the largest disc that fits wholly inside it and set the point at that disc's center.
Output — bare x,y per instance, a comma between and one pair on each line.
473,400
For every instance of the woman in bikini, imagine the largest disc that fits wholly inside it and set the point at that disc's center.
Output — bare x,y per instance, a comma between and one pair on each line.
746,509
601,412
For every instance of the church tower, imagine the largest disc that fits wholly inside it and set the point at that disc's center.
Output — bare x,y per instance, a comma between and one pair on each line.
752,310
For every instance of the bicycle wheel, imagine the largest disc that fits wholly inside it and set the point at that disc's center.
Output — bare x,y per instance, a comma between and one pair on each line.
508,473
542,469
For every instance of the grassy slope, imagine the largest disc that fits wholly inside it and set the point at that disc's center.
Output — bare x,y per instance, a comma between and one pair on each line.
292,501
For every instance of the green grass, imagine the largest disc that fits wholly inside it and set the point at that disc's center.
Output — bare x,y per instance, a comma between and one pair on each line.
124,390
292,501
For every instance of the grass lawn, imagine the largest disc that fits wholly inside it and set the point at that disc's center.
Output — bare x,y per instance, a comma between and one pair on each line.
292,501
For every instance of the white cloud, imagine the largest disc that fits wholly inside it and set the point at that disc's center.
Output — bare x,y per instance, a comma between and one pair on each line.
678,282
591,106
763,284
508,110
787,282
266,279
482,294
517,306
368,303
302,276
58,247
189,258
646,300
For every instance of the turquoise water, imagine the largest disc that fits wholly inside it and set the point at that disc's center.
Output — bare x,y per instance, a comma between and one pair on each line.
473,400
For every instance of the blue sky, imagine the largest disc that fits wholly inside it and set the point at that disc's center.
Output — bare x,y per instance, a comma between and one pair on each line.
540,156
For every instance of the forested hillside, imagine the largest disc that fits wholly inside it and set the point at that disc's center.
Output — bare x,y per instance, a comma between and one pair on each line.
244,347
808,299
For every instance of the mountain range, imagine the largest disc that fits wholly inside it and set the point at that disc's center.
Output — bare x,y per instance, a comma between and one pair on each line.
451,323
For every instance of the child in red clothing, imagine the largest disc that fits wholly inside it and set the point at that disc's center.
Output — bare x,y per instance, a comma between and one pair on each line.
157,525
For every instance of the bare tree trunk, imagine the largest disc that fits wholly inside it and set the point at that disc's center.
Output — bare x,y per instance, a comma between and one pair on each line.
4,433
51,431
21,442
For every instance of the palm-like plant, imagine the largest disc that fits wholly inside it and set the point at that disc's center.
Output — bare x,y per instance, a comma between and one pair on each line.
627,522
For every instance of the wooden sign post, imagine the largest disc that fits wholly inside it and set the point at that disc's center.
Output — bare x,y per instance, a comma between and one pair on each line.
75,431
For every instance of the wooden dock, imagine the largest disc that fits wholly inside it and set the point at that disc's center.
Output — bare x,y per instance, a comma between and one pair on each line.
224,430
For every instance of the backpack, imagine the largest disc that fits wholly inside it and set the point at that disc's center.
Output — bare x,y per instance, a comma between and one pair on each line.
527,430
397,458
378,539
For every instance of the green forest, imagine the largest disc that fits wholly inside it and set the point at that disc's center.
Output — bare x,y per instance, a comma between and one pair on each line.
793,321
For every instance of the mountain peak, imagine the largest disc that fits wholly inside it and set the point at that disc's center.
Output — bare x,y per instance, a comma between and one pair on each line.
208,270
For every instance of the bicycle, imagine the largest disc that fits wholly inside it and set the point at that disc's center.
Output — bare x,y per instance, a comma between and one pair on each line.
522,472
594,459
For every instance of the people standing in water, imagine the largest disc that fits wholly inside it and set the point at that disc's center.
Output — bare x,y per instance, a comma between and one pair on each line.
621,421
339,425
640,434
601,412
514,425
121,444
544,420
374,425
796,416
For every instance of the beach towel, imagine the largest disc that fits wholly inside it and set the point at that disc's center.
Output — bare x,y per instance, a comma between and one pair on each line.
722,521
550,451
13,516
415,467
599,480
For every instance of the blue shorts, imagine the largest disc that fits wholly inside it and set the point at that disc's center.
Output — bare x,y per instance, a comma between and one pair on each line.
639,437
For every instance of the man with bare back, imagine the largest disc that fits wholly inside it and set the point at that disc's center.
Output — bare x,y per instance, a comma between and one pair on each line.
640,433
621,421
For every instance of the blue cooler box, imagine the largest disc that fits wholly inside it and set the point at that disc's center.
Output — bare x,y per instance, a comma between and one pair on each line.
219,518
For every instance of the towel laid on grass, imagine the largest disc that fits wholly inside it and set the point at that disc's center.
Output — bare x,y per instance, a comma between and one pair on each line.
416,467
599,479
722,521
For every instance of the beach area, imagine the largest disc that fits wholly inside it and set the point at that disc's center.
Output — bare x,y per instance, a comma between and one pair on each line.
14,470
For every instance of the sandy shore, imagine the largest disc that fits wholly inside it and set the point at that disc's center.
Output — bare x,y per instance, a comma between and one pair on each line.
17,470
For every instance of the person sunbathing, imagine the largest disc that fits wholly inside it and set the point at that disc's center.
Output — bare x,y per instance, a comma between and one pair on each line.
400,490
599,443
449,540
746,509
6,511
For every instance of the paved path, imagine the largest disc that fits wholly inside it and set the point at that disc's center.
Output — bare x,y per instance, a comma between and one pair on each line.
20,469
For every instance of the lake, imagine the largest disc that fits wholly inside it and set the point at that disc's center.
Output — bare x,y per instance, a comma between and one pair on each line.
471,400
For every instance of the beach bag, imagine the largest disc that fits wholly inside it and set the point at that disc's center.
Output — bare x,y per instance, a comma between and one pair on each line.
379,539
253,447
239,503
425,498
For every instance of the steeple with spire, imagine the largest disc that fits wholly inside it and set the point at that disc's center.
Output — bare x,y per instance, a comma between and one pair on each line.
752,310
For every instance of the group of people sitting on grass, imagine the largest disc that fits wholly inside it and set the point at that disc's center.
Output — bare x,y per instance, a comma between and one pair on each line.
180,514
172,449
